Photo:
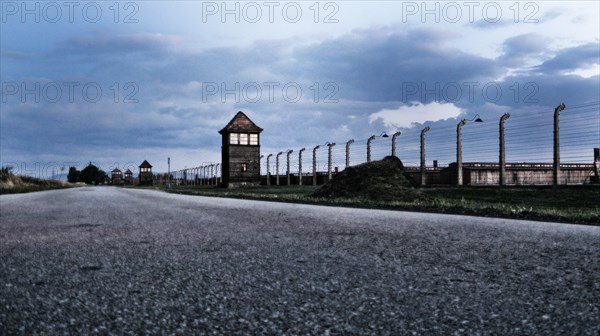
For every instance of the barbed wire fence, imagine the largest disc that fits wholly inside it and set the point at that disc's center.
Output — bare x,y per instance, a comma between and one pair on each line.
528,140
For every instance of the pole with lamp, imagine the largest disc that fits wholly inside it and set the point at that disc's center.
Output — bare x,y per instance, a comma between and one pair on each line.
459,127
370,139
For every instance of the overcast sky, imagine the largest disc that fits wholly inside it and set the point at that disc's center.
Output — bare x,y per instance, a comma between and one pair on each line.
155,79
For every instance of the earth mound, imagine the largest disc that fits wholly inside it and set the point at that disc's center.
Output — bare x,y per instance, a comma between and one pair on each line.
382,179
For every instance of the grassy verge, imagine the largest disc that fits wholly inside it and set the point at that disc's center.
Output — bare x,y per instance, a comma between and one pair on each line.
13,184
570,204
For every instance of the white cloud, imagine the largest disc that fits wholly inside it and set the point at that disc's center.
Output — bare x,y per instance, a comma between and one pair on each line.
417,113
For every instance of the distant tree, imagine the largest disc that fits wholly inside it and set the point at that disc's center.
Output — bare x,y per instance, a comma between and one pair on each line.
92,175
73,175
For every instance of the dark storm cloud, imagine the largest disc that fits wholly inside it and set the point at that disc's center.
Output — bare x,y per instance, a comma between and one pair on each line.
371,69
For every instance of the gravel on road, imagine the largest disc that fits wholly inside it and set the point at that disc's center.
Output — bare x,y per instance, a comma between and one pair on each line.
104,260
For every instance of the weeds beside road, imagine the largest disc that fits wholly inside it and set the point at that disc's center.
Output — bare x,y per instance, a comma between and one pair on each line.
14,184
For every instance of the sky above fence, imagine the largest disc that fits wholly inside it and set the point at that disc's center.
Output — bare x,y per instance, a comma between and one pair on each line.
121,82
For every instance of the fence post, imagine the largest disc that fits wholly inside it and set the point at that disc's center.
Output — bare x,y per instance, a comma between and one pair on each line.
423,166
502,158
217,166
459,179
288,166
277,168
329,146
268,170
348,152
597,164
315,164
371,138
300,165
259,167
394,136
556,172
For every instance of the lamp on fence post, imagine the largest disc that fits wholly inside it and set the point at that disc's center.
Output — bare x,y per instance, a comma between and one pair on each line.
423,167
287,170
501,154
300,165
268,170
315,164
394,136
556,171
277,167
370,139
348,152
459,179
329,146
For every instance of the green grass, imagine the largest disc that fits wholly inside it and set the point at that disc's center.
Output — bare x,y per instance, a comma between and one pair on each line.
569,204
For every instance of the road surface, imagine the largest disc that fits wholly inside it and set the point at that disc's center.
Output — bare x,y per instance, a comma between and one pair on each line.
123,261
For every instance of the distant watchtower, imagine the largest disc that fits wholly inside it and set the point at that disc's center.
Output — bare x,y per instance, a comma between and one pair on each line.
240,152
116,176
128,177
145,173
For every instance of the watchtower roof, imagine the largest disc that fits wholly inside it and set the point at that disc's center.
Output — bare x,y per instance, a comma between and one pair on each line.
145,164
241,123
116,170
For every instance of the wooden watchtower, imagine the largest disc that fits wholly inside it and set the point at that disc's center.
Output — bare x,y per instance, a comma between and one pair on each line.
145,173
240,152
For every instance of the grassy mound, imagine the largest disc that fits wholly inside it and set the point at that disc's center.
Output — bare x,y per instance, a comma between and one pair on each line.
380,180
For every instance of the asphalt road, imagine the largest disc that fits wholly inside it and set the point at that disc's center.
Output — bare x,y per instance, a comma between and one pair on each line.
121,261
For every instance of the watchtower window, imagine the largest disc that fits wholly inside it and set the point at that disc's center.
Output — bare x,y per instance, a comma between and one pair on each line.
244,167
243,139
234,139
254,139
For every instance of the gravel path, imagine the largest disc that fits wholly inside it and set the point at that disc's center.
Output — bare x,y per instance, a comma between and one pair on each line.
122,261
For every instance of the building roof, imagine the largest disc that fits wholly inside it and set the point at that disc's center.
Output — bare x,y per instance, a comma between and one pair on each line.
116,170
241,123
145,164
128,171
